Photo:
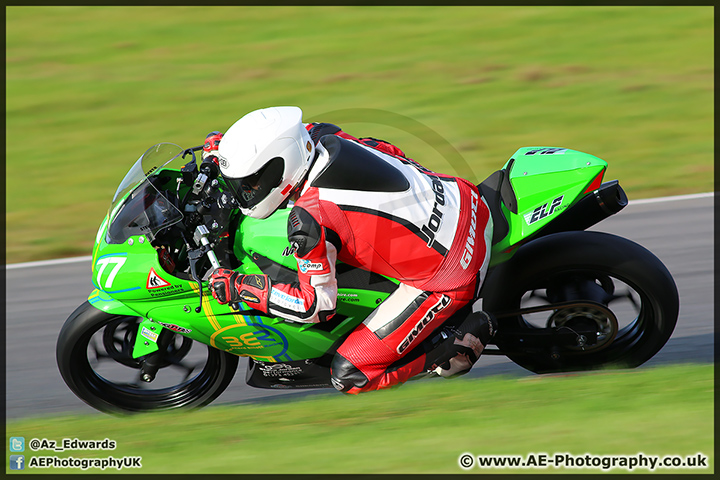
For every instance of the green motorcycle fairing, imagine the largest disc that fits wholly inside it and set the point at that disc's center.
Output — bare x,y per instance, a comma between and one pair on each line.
546,181
130,280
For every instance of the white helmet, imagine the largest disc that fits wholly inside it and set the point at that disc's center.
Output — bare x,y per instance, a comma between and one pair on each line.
264,156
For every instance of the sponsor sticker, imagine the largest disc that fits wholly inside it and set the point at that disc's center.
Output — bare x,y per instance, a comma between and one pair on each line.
544,210
250,339
287,301
306,266
155,281
175,328
279,370
348,297
152,336
547,151
165,291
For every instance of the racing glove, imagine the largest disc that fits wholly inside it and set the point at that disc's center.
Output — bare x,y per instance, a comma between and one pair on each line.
229,286
212,141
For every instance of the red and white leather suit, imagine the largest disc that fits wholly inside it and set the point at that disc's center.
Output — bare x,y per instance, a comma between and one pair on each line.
430,231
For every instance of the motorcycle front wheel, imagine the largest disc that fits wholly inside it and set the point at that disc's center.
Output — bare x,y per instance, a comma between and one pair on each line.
94,356
617,274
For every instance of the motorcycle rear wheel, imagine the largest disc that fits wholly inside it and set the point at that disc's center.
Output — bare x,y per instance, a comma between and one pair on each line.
93,346
572,266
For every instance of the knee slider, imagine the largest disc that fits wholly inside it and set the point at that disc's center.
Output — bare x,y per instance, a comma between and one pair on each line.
344,375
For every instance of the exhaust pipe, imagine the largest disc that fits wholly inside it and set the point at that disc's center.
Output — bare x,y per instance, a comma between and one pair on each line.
607,200
611,197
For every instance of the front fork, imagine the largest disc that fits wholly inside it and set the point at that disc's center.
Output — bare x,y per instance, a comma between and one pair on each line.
151,342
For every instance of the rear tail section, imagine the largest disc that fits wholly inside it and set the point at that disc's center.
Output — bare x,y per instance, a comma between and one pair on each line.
543,190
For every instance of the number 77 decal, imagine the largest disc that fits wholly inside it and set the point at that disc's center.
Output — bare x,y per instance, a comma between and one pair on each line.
102,263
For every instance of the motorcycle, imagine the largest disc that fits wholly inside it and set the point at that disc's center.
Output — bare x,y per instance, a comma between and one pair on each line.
150,337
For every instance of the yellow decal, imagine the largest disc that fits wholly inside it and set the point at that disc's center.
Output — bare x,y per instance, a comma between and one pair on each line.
206,307
263,359
238,341
246,340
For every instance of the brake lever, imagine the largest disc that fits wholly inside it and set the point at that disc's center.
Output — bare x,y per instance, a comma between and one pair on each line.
192,151
193,256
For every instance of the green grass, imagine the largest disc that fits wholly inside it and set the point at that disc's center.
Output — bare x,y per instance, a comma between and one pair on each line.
421,427
88,89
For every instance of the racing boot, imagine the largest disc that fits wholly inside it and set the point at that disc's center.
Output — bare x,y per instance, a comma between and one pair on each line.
459,348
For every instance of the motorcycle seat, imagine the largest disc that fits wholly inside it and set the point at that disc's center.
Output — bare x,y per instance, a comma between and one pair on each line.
496,190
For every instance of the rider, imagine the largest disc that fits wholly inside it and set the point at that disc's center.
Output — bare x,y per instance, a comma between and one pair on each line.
361,201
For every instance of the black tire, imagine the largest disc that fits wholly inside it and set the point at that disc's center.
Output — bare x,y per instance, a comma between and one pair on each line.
88,327
600,260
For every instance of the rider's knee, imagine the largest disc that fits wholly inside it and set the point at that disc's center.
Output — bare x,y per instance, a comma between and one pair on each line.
345,376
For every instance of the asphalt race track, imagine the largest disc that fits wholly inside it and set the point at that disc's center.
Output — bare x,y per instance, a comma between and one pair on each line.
41,296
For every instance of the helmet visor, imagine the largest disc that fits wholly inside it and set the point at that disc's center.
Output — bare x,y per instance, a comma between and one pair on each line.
251,190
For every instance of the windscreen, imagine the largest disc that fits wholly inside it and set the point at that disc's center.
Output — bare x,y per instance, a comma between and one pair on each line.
138,207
